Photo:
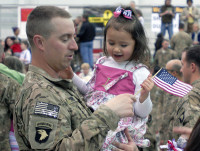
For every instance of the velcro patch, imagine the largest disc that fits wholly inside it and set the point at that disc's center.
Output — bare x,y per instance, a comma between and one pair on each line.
47,109
43,130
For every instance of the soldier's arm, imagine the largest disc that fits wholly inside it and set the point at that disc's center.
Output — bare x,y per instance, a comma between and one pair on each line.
58,126
186,112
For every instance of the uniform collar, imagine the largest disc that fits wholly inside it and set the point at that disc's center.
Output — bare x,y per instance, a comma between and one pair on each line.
195,83
66,84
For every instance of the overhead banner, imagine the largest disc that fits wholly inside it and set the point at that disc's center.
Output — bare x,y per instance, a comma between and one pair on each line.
156,19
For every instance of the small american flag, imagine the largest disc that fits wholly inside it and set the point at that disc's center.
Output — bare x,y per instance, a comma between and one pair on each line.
171,84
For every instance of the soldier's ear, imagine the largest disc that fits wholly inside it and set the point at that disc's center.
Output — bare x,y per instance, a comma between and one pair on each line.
193,67
39,42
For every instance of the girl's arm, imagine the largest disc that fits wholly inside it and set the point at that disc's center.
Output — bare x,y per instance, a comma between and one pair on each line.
81,84
141,109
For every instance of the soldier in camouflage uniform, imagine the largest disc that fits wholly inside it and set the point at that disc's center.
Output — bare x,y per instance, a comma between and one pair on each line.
50,113
164,54
9,90
188,108
169,102
180,41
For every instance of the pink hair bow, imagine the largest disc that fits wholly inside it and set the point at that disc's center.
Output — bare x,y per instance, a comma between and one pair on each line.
126,13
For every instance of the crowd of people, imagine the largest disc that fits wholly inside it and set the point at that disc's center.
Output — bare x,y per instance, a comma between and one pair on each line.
113,103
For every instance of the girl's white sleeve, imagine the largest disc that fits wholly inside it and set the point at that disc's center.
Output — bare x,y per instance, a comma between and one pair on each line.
141,109
80,84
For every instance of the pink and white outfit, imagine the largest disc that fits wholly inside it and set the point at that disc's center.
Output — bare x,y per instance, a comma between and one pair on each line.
113,78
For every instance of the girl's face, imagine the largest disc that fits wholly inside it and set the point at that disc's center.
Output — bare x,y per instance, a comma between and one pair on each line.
9,42
119,44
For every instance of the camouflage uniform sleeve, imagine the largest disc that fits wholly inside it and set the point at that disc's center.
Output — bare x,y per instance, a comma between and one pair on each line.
64,126
187,112
8,92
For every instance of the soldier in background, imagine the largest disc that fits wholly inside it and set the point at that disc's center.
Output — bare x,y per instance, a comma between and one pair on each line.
188,108
9,90
164,54
180,41
50,113
169,102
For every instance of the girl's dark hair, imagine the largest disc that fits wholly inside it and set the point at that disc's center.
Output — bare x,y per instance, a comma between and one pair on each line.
193,144
6,47
141,53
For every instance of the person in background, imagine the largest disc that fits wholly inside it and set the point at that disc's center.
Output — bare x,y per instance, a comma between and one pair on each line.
25,55
169,102
180,41
158,43
16,46
196,34
7,48
14,63
9,90
85,72
50,113
123,70
167,14
189,16
163,55
140,16
188,108
86,36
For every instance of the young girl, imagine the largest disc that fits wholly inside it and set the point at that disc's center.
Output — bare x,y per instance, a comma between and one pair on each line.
122,70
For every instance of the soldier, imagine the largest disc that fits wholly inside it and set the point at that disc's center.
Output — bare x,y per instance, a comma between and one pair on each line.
9,90
164,54
169,102
180,41
50,113
188,108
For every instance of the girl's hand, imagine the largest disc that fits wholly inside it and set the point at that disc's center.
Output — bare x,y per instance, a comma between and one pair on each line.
147,85
66,73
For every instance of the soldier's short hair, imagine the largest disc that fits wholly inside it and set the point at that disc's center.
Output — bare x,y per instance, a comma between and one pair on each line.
39,21
193,55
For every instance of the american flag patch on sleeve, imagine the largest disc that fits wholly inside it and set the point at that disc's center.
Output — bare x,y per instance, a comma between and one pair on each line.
46,109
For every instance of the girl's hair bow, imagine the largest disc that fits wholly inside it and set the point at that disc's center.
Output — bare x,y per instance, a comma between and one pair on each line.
126,13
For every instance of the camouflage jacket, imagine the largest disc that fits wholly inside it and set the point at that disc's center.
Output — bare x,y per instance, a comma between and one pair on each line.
51,115
188,108
9,90
180,41
169,106
163,56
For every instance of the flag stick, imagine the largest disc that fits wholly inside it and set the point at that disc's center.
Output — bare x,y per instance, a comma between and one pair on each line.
151,78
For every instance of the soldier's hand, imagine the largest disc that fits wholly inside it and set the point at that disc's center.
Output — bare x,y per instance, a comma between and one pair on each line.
130,146
184,131
122,105
66,73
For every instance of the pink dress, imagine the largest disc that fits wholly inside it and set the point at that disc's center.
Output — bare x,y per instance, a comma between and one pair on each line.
106,83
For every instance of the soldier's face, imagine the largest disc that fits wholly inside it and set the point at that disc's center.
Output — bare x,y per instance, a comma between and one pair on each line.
60,46
185,69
